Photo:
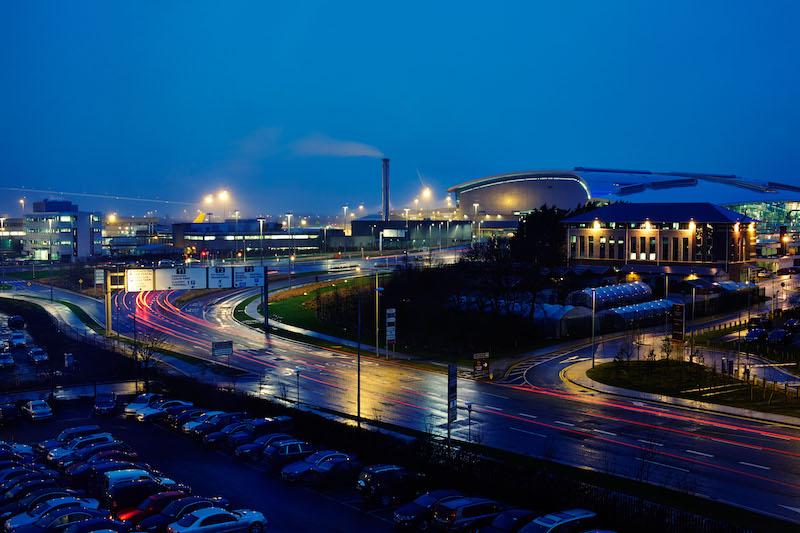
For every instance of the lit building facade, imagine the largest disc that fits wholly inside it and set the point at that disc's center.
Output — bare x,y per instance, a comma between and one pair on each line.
58,231
130,235
689,238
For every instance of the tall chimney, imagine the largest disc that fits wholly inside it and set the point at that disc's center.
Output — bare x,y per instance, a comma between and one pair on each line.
385,190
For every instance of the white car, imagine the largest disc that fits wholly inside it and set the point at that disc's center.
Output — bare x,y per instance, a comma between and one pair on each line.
38,356
217,519
115,477
140,402
44,508
37,410
189,426
159,409
79,444
17,339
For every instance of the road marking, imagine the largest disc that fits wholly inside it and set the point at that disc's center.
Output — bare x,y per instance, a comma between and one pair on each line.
492,407
564,423
754,465
526,415
603,432
527,432
699,453
651,443
662,464
496,396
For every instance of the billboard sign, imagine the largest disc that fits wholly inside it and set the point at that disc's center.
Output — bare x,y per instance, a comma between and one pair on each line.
139,279
452,393
248,276
221,348
180,278
220,277
99,276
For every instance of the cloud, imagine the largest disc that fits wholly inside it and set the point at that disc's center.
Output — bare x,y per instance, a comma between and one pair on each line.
322,145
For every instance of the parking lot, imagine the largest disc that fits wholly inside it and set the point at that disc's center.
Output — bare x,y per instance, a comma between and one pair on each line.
215,473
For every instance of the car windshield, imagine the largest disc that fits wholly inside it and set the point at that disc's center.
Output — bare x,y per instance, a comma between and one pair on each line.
426,500
316,457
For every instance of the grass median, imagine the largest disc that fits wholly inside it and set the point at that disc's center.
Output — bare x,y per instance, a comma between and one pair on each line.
692,381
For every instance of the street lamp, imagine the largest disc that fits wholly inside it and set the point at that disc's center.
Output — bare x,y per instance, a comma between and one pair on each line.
475,207
22,203
469,421
406,210
289,229
50,253
264,291
593,312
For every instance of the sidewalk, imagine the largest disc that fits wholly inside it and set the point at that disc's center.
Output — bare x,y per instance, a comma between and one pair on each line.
576,374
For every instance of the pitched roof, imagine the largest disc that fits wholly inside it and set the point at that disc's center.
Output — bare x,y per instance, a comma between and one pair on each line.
703,212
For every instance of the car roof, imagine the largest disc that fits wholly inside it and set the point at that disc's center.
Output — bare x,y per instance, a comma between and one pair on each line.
283,442
553,519
207,511
464,500
374,469
126,472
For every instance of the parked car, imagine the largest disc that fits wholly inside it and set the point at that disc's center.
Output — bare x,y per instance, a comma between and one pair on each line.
78,444
418,513
6,359
43,509
759,322
98,525
140,402
105,403
779,337
465,513
150,506
16,322
65,437
282,452
37,356
79,475
130,493
159,410
176,510
254,449
33,499
37,410
221,520
571,520
114,477
792,325
87,453
383,484
92,479
256,428
17,340
25,487
60,520
322,466
220,438
510,521
177,420
216,423
755,335
190,425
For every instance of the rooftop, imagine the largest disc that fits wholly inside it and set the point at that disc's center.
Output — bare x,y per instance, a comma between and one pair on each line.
704,212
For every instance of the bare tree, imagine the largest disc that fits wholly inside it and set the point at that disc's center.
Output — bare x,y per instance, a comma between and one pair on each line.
149,346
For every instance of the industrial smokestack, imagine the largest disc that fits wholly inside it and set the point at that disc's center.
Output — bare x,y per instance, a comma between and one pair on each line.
385,191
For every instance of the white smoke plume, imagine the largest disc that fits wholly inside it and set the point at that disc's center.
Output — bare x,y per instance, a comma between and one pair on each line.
322,145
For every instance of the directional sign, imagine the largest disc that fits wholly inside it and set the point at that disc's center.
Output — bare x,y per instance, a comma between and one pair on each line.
220,278
481,363
180,278
247,276
391,331
678,322
221,348
139,279
452,393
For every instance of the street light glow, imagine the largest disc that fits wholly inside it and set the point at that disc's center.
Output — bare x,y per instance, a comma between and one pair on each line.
209,199
427,193
223,196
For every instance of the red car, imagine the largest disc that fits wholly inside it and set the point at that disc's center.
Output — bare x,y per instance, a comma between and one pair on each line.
149,507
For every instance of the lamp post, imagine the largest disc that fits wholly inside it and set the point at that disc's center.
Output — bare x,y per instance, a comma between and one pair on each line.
265,288
289,229
358,365
469,421
593,312
378,290
475,206
291,270
22,204
406,210
297,373
50,253
344,220
236,235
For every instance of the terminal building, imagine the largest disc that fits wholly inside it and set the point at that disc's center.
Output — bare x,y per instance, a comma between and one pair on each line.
58,231
691,239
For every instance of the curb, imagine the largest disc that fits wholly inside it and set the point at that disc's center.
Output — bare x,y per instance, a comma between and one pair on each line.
722,410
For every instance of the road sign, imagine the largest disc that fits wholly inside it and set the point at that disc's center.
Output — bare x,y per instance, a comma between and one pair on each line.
220,277
481,363
180,278
391,331
452,393
678,322
221,348
139,279
99,276
247,276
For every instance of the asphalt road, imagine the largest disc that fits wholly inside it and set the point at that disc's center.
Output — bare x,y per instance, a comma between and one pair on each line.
213,473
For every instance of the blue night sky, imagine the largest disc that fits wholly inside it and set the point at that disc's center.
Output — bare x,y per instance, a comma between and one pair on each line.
288,103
